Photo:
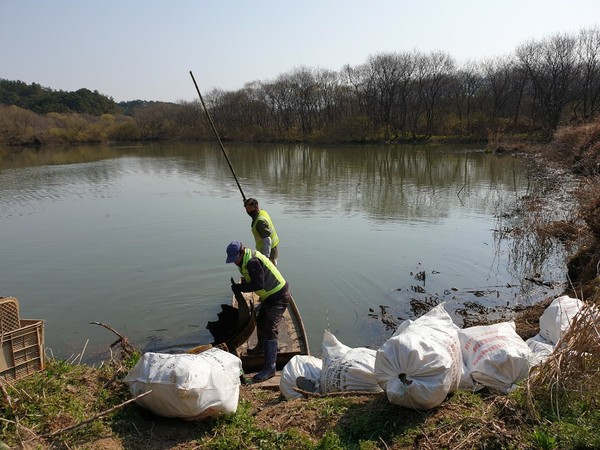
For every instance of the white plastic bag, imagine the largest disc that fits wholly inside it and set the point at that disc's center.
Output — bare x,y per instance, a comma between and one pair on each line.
299,366
187,386
557,317
466,382
421,363
495,355
332,348
345,368
540,347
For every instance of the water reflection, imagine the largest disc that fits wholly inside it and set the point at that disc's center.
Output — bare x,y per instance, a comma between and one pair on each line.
393,182
134,236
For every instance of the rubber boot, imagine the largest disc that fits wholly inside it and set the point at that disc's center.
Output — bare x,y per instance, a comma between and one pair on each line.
269,367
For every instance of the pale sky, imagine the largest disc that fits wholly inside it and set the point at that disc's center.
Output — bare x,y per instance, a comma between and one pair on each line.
133,49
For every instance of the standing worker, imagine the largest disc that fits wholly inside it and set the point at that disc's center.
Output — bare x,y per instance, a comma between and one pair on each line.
260,275
263,230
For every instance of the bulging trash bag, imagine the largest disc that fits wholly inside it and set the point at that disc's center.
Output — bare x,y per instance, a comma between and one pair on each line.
186,386
466,382
305,366
421,363
495,355
540,347
345,368
557,317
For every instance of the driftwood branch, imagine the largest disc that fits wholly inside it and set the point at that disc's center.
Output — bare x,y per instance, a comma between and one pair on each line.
110,329
125,345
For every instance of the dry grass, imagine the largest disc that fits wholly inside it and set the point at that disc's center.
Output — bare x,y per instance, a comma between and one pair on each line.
579,147
589,199
572,374
584,266
464,421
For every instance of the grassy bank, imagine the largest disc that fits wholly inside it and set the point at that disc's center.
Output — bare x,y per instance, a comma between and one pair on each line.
73,406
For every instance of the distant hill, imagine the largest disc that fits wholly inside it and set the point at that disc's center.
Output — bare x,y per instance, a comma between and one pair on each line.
41,100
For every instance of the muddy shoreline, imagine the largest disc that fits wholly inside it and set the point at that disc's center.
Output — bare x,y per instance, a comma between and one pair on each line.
535,226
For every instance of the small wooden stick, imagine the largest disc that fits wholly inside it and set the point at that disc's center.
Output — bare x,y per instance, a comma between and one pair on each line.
110,329
5,393
91,419
126,347
20,426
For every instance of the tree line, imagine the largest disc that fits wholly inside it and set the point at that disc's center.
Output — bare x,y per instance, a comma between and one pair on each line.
392,97
43,100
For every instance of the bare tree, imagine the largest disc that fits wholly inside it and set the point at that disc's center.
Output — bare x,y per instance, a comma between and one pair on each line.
468,82
355,80
304,97
434,76
278,94
588,50
384,86
551,66
327,96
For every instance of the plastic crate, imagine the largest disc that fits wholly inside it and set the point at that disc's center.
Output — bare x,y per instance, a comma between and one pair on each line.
22,350
9,314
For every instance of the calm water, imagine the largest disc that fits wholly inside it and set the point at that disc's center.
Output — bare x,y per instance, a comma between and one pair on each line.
135,237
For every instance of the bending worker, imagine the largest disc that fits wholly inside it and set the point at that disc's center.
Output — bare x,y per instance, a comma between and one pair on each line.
260,275
263,230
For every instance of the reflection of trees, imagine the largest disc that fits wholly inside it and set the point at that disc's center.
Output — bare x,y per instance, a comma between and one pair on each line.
533,252
386,182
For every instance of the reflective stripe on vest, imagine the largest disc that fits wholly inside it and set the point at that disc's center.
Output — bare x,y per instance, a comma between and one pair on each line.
274,282
263,215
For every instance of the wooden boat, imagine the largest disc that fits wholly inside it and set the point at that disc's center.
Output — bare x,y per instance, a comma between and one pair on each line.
292,339
236,331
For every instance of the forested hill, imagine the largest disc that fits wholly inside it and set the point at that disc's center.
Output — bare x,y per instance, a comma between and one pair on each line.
42,100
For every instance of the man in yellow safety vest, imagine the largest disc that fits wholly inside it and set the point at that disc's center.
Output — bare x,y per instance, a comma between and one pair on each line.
263,230
260,275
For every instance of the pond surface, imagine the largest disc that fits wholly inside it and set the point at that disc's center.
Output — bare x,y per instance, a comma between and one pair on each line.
135,237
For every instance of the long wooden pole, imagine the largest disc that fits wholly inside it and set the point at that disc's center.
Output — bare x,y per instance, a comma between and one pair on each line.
217,135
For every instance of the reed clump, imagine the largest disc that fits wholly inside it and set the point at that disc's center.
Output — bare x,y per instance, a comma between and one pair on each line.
584,266
563,393
578,147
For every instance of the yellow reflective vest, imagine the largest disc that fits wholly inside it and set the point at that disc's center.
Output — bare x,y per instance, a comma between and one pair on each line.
274,281
263,215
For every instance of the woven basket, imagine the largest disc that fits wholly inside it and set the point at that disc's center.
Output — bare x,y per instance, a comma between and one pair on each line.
9,315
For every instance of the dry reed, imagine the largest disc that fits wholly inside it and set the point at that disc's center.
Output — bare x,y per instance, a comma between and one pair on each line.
572,373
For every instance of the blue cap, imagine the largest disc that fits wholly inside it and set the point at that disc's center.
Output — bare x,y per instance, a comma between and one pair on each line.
233,250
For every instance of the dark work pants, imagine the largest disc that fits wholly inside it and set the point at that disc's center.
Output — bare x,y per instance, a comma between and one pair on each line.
269,315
